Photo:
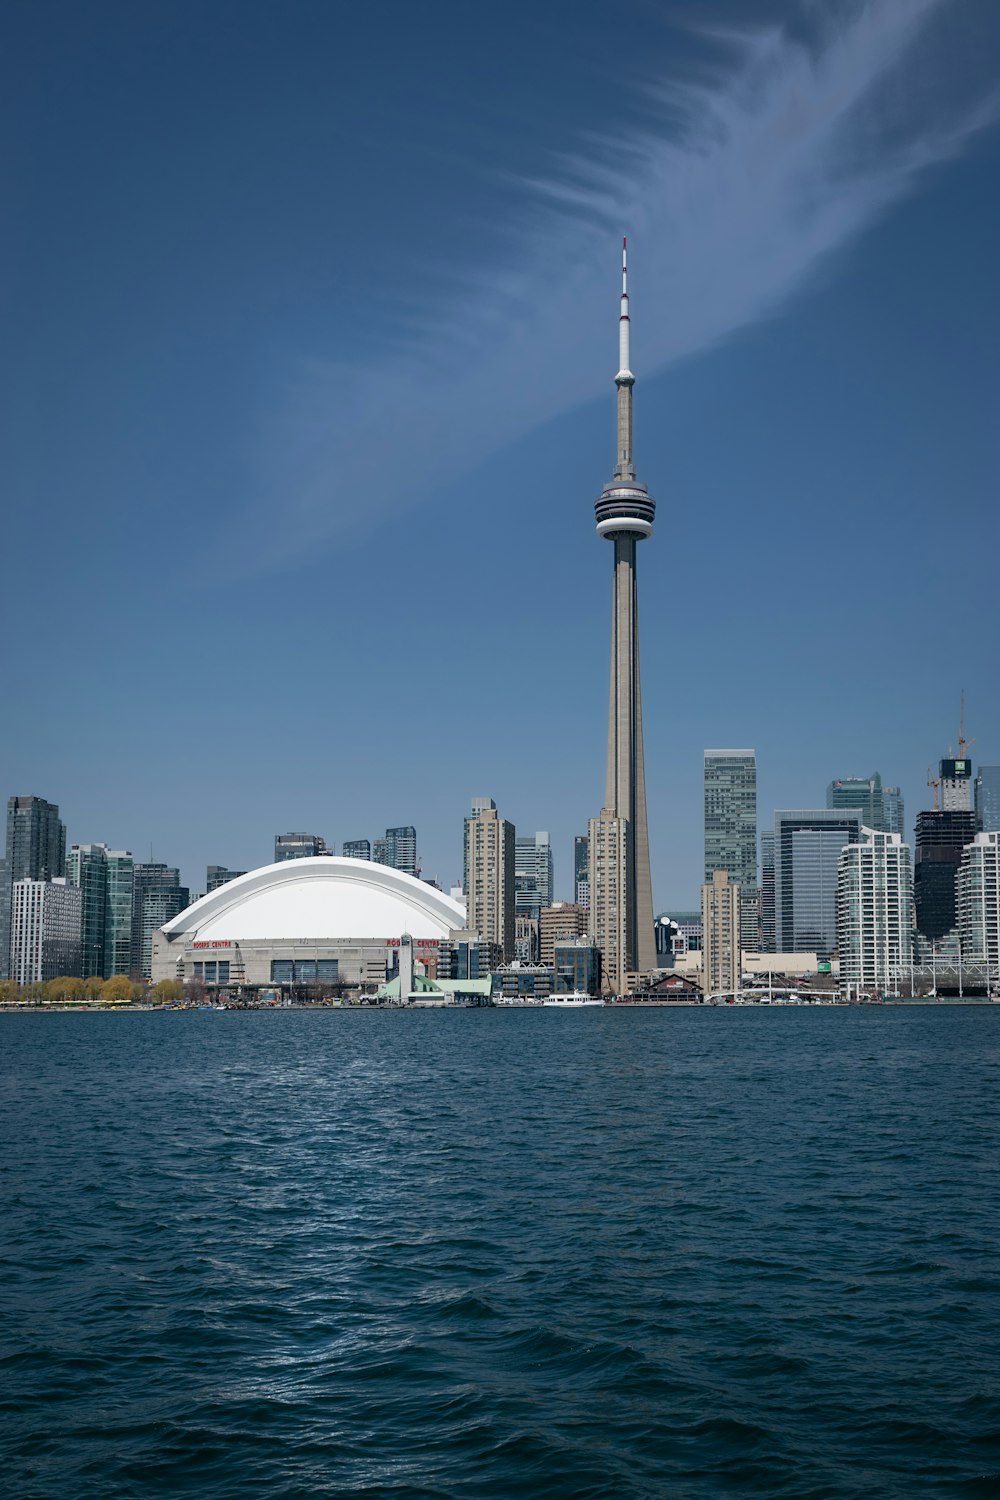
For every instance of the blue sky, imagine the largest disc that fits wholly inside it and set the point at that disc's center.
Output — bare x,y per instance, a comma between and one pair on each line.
309,333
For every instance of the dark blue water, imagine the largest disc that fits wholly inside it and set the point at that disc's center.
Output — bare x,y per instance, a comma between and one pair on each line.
500,1254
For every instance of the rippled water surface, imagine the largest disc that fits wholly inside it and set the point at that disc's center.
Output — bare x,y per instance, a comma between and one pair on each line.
501,1254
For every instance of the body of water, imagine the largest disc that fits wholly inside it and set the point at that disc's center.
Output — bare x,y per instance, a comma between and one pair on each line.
498,1254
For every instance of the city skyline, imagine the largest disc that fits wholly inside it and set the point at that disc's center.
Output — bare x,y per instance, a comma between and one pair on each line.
779,416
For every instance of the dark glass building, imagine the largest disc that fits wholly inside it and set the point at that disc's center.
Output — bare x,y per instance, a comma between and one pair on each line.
941,837
36,850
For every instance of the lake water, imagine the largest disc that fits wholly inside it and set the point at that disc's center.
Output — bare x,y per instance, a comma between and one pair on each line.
498,1254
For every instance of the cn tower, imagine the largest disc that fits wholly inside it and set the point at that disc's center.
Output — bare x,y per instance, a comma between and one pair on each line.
624,515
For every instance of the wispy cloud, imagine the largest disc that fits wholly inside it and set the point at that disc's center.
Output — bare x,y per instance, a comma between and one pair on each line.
737,191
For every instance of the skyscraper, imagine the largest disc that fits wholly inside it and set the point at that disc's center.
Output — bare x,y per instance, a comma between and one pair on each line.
862,792
581,870
956,785
893,812
731,830
624,514
401,849
105,880
157,896
489,875
609,886
978,891
988,799
216,875
533,874
720,927
767,942
807,845
941,837
36,850
875,911
45,930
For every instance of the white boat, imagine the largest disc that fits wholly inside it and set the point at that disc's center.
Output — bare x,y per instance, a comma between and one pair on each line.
573,1000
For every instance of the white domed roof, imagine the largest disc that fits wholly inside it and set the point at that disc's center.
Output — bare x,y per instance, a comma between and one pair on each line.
321,897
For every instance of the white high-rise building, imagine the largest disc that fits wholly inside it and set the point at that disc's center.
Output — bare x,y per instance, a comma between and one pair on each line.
45,930
875,912
978,900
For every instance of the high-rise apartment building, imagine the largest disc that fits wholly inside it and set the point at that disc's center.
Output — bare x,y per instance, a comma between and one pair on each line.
358,849
720,926
624,514
533,874
807,845
609,898
988,799
875,912
45,930
157,897
401,849
767,939
941,837
380,854
35,850
563,919
581,870
216,875
489,875
105,880
978,893
298,846
731,830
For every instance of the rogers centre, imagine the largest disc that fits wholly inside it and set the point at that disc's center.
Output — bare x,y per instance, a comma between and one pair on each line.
322,920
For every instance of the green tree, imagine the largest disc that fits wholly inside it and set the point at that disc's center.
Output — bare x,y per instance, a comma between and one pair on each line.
118,990
168,991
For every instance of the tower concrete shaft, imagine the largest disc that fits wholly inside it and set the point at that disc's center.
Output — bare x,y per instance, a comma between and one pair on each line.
625,513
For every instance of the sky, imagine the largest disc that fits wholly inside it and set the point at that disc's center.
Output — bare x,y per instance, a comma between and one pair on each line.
308,331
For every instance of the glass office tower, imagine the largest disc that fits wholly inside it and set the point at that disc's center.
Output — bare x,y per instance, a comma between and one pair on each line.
807,845
731,830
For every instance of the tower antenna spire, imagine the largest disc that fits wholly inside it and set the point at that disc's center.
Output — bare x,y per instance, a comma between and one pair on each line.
625,380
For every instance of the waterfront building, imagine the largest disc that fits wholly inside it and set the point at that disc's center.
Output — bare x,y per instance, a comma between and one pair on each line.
941,837
577,966
298,846
767,933
158,897
807,845
533,874
730,778
322,920
875,912
523,982
978,900
216,875
720,926
678,933
401,849
105,880
624,514
526,939
609,898
358,849
563,919
35,850
581,870
463,954
45,930
988,799
489,874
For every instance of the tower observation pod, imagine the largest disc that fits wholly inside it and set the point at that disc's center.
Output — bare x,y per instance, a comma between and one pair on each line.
624,513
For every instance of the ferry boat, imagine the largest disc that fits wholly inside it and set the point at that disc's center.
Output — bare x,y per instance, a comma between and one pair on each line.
572,1000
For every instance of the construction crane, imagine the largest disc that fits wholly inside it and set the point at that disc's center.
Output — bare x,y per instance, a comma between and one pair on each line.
934,782
963,743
